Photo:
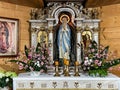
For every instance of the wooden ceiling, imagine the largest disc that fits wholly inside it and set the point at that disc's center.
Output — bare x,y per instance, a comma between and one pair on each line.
29,3
42,3
97,3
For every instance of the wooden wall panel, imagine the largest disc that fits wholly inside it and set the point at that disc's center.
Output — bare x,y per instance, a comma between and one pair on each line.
110,31
96,3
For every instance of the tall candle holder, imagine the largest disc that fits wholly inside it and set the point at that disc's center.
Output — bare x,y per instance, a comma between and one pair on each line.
76,69
64,67
56,68
67,68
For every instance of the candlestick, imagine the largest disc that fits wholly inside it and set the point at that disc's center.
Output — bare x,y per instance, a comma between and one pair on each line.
67,71
64,67
67,62
76,63
67,68
56,68
77,69
56,63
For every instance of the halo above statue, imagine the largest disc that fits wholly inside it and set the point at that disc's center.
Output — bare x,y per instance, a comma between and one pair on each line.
64,15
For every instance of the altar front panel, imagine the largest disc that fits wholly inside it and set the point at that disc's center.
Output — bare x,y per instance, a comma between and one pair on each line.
48,82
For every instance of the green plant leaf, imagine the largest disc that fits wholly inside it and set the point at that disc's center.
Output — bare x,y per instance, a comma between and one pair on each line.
26,51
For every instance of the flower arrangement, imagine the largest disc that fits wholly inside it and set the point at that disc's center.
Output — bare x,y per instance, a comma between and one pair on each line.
37,59
6,79
94,61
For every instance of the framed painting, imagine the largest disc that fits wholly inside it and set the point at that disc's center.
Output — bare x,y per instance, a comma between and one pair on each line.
8,36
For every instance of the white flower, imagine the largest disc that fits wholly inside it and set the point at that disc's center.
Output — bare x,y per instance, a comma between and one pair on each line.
91,60
88,68
89,63
38,64
86,58
86,62
7,79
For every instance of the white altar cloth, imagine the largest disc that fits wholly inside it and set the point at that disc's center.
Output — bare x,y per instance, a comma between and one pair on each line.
48,82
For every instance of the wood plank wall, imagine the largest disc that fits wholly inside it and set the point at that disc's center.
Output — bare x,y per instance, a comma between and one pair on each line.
110,30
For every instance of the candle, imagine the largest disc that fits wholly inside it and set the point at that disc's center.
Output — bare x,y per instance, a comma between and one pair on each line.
56,63
76,63
67,62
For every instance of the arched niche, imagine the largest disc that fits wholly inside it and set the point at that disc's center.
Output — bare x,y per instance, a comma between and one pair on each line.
59,10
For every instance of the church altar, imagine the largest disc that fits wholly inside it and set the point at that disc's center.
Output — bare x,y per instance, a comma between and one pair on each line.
48,82
44,28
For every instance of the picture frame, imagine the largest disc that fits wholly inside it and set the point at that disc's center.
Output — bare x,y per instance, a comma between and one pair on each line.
9,28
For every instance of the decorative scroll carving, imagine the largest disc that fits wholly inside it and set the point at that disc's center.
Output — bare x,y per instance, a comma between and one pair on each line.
40,14
87,13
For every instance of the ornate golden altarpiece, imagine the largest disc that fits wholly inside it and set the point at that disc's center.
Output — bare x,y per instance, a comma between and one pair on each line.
43,21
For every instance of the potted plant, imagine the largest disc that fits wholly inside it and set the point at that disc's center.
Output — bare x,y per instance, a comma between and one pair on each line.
94,61
6,80
37,59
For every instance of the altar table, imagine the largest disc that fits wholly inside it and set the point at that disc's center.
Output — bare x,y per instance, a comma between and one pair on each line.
48,82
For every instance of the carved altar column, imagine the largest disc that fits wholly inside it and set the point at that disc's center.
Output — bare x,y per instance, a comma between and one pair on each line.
50,37
96,30
79,27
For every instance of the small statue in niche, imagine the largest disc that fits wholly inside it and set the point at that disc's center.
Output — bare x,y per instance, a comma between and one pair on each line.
87,39
86,42
85,13
89,13
42,38
46,12
50,12
33,13
95,13
40,14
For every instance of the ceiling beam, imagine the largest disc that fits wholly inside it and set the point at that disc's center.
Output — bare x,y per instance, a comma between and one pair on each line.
98,3
39,3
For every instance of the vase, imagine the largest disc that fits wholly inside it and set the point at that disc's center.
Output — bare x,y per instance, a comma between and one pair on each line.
5,88
35,73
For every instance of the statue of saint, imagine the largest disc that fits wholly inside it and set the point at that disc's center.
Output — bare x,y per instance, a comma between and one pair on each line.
86,41
65,41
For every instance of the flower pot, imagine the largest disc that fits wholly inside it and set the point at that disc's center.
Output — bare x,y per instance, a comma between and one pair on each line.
35,73
5,88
